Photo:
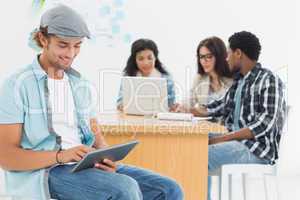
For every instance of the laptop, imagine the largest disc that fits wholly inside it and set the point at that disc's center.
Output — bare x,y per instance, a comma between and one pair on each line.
144,95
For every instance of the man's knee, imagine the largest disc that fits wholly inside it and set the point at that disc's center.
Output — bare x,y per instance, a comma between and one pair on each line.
223,153
128,188
213,151
171,190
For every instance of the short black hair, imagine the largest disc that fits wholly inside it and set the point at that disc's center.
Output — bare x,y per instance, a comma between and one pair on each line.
131,68
247,42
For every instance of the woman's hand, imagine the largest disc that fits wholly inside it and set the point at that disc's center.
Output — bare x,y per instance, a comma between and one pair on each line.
120,107
175,107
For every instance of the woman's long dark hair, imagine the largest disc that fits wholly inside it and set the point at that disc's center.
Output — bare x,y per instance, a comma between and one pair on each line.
217,47
131,68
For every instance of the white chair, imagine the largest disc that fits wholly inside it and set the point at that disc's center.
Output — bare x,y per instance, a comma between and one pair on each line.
248,181
2,183
3,194
243,181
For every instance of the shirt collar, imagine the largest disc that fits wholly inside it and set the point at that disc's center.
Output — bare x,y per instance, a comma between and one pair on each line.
40,73
250,75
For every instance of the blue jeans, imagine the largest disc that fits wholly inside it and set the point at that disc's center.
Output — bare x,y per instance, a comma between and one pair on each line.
128,183
233,152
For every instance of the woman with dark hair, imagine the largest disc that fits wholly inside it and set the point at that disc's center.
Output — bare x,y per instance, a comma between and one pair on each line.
213,77
143,61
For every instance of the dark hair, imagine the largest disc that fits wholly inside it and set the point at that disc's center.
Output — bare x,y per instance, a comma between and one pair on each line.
131,68
247,42
217,47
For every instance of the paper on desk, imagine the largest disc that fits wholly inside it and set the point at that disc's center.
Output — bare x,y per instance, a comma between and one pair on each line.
180,117
201,118
175,116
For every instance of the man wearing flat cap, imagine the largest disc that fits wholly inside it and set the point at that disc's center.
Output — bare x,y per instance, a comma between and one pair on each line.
48,123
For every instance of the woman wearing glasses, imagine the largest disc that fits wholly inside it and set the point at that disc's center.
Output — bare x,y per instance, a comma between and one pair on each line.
213,75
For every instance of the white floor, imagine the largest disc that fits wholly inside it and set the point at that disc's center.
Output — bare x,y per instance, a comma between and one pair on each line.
289,189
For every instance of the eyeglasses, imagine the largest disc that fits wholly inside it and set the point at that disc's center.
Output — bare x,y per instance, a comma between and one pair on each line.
206,57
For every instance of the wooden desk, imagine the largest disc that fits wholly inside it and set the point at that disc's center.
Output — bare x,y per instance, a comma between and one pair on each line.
173,148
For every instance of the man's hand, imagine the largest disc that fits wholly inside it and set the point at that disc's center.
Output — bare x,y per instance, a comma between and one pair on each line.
74,154
195,112
107,165
199,111
99,138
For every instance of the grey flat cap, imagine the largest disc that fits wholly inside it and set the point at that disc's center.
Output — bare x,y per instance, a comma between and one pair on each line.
63,21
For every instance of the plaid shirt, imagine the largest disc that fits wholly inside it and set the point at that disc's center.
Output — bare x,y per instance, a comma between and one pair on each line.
262,111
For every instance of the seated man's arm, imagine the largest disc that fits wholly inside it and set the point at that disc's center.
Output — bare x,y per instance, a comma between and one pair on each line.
13,157
244,133
273,108
272,102
200,111
214,109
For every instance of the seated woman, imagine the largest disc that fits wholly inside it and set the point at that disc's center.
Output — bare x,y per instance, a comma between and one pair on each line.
144,61
213,77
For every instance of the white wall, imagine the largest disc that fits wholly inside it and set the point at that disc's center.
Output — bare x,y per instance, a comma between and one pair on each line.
177,27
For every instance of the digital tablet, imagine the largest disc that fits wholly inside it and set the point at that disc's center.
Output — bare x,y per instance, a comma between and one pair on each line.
113,153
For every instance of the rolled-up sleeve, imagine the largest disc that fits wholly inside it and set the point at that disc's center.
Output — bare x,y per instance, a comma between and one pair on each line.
11,104
271,101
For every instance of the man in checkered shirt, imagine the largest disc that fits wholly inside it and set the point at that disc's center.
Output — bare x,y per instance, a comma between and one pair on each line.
253,109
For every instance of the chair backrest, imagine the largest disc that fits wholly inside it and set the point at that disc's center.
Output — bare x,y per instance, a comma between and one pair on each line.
282,73
2,182
285,146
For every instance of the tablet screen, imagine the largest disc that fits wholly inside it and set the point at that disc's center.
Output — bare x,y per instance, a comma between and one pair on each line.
113,153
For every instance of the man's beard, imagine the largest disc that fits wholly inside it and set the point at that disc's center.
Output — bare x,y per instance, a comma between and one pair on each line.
236,69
